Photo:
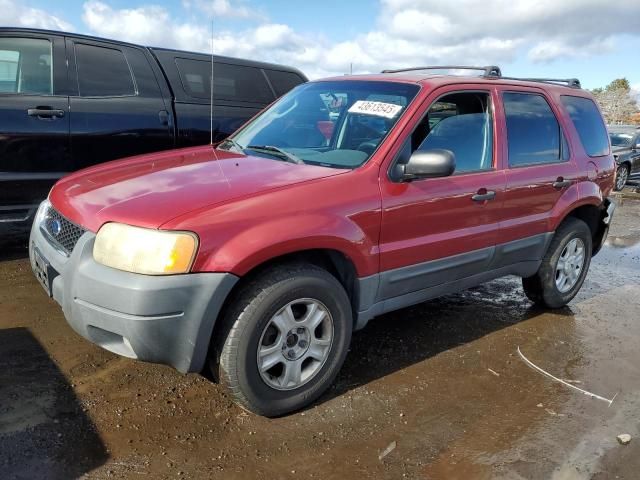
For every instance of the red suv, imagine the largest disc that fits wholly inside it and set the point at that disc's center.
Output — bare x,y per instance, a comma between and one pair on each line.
347,198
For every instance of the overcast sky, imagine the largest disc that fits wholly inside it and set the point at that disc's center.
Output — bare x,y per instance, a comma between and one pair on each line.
593,40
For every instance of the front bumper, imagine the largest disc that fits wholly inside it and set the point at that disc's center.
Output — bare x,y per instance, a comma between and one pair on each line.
160,319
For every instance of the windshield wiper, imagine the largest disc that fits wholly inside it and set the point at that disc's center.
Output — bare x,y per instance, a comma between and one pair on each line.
289,157
233,143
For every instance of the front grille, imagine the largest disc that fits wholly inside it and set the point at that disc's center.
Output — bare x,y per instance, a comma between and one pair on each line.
61,231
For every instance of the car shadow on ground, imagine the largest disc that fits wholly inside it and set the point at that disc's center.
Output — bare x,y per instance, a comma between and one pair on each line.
406,337
44,430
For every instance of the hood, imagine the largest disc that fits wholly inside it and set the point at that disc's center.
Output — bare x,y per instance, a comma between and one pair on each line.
152,189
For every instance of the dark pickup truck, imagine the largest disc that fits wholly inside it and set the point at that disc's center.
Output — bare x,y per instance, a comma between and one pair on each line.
69,101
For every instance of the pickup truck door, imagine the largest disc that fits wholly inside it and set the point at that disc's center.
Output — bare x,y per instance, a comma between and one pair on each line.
635,156
118,109
439,230
34,120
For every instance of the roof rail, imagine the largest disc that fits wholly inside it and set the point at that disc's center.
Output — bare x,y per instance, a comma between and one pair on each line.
489,70
569,82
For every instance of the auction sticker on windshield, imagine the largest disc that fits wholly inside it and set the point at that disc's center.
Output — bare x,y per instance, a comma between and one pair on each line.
380,109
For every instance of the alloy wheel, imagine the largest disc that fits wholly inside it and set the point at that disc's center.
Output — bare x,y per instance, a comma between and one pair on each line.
295,344
570,265
622,176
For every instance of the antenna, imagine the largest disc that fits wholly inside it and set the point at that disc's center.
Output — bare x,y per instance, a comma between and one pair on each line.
211,112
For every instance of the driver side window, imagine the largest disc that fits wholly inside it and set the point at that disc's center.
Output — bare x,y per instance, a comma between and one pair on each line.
461,122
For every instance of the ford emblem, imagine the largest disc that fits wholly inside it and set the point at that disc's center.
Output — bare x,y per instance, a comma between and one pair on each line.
56,227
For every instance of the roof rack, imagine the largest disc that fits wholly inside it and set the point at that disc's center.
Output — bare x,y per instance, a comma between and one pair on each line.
569,82
489,70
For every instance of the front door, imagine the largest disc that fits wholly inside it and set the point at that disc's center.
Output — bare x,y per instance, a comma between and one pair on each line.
439,230
34,121
118,109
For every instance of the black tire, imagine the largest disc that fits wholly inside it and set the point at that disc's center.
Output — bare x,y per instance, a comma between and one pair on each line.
621,172
541,288
247,316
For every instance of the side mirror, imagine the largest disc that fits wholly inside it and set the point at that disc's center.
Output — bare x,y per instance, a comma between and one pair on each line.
428,164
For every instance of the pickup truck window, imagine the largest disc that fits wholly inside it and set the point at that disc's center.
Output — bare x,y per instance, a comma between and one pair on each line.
333,124
533,132
588,122
25,66
282,82
231,82
103,72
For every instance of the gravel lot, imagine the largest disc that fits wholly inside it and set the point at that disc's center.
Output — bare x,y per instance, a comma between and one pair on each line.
439,386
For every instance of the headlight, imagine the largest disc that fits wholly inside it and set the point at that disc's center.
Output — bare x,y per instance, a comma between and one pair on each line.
43,209
143,250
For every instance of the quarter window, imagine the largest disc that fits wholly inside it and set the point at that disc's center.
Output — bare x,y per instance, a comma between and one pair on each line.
103,72
231,82
589,124
533,132
26,66
282,82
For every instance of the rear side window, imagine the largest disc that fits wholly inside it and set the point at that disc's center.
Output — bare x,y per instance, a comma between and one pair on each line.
533,132
231,82
282,82
589,124
26,66
103,72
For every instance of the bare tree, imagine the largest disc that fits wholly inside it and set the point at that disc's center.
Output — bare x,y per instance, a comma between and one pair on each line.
618,104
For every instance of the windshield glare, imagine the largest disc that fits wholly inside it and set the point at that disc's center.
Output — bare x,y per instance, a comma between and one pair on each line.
334,124
620,139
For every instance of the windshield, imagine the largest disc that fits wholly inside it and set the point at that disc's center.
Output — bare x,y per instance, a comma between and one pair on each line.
334,124
620,139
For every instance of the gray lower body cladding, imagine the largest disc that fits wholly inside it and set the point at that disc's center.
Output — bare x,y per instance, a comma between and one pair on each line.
160,319
402,287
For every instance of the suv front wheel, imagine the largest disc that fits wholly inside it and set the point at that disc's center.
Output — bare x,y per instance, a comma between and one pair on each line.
289,331
622,175
564,266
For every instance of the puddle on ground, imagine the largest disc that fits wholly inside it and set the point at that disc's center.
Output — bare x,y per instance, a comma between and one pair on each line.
631,241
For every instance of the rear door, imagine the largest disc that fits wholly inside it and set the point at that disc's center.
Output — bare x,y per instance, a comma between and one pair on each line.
635,156
240,91
34,120
117,109
540,166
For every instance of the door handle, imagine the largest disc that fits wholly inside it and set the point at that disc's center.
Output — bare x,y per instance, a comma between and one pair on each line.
45,112
163,116
561,183
484,195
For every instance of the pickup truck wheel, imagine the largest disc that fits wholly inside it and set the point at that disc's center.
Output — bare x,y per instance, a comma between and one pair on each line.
622,174
564,266
289,335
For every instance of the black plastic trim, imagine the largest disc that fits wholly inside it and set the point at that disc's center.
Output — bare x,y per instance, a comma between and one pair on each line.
405,286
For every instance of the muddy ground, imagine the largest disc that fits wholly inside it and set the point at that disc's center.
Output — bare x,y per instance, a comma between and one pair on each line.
442,381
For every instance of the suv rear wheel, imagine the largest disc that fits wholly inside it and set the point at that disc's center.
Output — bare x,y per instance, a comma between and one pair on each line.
290,330
564,266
